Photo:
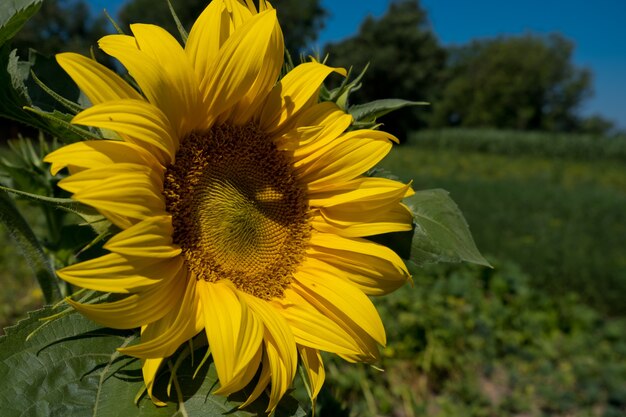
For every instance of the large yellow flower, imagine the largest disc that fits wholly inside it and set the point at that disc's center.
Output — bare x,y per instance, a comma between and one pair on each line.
241,203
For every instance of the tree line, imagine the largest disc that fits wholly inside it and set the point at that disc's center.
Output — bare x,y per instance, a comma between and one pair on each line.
526,82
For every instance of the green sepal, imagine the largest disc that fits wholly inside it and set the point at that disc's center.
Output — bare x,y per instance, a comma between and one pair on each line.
117,27
181,29
340,95
74,108
60,125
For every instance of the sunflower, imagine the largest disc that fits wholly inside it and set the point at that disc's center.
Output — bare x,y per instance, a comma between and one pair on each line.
241,202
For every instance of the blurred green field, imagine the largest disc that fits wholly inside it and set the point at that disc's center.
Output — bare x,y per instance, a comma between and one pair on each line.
558,215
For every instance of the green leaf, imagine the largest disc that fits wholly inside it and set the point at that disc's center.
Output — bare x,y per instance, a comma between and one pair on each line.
371,111
13,15
70,367
26,240
441,233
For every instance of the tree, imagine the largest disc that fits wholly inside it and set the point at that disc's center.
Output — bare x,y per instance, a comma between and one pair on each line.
405,61
59,26
598,126
526,82
300,20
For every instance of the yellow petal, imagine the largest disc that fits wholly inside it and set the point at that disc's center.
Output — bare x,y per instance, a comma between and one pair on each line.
343,221
214,26
143,68
280,348
331,118
95,177
243,378
143,123
311,328
136,310
367,346
129,196
158,85
183,322
297,91
263,5
246,64
344,159
360,211
367,190
120,274
339,298
99,153
373,274
149,369
150,366
233,332
264,380
289,141
99,83
150,238
314,367
356,245
239,12
181,104
250,103
208,34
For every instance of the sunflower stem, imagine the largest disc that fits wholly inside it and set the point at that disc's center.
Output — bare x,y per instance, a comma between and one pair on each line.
32,250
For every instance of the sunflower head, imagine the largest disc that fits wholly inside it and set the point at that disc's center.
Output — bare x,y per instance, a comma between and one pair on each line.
242,208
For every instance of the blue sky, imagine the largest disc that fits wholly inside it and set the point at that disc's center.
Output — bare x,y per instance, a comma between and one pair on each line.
598,29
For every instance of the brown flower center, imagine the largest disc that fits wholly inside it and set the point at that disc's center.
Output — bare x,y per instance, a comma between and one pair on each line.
238,210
